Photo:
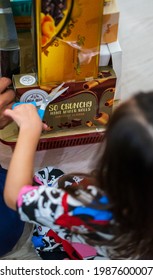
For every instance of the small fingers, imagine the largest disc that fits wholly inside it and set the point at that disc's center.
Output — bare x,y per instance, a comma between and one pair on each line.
45,126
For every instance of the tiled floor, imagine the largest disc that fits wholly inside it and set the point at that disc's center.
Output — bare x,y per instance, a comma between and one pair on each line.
136,40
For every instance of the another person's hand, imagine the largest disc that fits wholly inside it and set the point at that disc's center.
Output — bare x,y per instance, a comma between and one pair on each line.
7,97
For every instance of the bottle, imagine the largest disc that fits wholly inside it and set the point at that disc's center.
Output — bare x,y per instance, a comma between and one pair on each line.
9,45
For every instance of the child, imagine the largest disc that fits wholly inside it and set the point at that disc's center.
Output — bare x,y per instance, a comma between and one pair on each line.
105,216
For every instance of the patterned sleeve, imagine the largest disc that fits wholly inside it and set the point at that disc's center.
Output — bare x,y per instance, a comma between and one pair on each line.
45,204
40,204
49,204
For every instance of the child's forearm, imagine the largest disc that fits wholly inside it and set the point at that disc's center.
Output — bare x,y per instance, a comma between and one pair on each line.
21,167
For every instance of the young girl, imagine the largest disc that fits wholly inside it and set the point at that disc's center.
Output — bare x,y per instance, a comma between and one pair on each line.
104,216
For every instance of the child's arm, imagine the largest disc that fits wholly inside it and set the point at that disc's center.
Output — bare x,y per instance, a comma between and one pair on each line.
20,170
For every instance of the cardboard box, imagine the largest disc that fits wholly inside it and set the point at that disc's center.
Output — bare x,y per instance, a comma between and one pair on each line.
111,54
116,62
116,57
67,37
105,55
85,111
110,22
9,134
23,83
85,105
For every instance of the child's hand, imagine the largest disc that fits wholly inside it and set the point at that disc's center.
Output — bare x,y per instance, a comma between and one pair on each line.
26,117
30,124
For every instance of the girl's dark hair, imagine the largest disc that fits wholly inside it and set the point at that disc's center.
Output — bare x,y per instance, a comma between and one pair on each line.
125,173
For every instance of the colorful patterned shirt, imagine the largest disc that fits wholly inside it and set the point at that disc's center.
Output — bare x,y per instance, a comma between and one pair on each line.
64,227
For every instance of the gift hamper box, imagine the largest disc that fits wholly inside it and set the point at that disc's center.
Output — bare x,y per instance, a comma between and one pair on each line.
67,40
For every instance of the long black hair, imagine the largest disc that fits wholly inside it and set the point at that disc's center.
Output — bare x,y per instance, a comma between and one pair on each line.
125,173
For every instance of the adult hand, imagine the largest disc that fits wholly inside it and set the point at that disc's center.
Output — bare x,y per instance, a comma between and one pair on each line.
7,97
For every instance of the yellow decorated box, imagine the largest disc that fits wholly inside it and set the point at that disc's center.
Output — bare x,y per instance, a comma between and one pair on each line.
67,37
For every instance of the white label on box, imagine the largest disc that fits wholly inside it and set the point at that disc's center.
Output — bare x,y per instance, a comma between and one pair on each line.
27,80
